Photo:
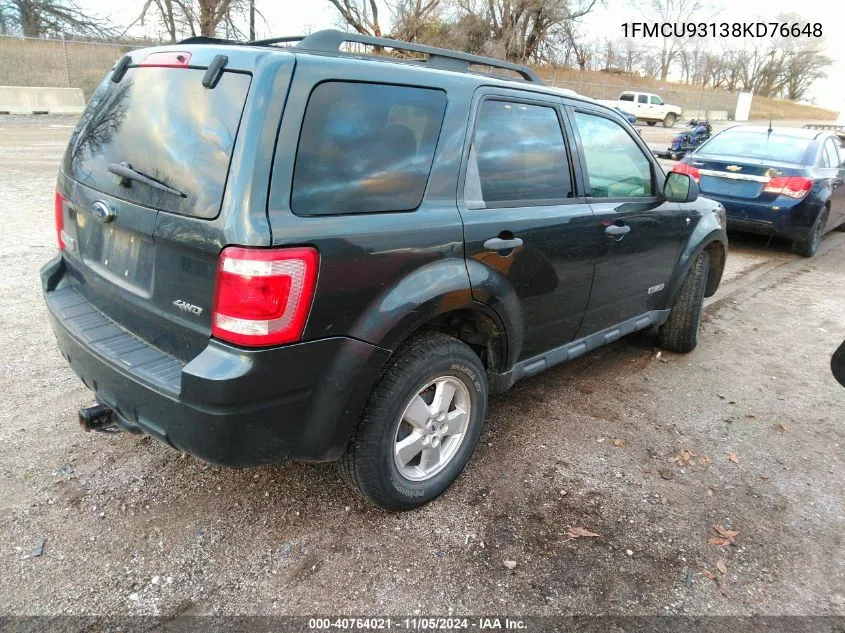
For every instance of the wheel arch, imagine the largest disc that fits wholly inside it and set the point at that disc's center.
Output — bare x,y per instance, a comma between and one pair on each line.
718,257
716,244
436,297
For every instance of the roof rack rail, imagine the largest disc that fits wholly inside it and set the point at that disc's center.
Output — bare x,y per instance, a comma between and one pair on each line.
278,40
202,39
330,40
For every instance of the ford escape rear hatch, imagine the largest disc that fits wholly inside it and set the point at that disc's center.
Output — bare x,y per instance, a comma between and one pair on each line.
143,177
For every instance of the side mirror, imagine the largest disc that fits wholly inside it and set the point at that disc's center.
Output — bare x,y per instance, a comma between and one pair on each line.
680,188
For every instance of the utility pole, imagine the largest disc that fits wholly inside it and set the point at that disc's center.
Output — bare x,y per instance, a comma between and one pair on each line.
67,61
251,20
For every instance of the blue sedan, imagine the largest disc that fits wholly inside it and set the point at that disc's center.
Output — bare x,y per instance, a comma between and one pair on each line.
777,181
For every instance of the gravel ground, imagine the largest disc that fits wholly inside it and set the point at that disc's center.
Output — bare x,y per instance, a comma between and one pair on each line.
649,451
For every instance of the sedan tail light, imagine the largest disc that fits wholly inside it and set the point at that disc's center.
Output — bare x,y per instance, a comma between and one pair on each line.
792,186
263,296
59,210
689,170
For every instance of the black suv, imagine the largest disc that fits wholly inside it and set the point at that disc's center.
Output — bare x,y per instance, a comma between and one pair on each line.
277,250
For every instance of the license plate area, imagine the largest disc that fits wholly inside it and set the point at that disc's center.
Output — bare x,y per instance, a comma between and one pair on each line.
124,257
735,188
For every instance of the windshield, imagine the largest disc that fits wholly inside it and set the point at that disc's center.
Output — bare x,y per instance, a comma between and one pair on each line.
758,145
163,124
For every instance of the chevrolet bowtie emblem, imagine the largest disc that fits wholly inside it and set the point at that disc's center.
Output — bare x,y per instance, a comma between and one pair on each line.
733,168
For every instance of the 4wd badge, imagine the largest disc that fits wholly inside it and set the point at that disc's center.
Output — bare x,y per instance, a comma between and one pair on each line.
184,306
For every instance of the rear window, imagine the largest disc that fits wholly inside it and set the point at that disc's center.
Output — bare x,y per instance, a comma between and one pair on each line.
758,145
164,124
365,148
627,96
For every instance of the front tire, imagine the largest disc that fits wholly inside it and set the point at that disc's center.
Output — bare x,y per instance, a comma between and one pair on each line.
421,424
670,119
808,246
680,332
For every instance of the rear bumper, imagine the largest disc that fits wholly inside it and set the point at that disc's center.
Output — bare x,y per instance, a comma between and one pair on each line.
792,222
229,406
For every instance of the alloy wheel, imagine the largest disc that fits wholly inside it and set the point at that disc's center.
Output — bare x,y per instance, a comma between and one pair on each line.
432,427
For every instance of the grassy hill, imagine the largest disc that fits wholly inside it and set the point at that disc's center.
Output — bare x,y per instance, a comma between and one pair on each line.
600,85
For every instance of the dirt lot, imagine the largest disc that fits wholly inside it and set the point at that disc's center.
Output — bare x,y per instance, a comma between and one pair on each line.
752,418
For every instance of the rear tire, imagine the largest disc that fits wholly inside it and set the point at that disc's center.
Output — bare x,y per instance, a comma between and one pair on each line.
406,412
680,332
808,246
651,123
669,121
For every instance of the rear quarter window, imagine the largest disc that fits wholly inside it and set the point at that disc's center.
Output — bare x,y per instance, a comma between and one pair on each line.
365,148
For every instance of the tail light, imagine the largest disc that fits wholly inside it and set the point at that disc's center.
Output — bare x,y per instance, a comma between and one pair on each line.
60,220
792,186
263,296
689,170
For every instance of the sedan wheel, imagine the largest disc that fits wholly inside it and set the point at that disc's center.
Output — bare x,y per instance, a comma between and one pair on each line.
809,246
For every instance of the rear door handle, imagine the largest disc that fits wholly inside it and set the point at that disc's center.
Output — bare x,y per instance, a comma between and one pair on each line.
615,230
498,244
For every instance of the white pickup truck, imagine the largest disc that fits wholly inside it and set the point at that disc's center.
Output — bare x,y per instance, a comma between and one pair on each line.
647,107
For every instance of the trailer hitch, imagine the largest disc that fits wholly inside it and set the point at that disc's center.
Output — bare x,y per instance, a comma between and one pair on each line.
98,417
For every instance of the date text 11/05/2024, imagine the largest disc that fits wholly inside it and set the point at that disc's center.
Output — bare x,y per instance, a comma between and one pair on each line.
722,29
420,624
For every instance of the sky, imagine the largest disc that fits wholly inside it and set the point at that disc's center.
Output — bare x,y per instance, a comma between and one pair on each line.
293,17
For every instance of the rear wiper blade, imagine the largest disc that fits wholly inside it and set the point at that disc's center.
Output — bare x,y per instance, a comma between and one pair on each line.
125,171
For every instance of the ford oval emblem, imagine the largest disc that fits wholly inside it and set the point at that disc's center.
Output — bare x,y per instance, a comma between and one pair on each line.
102,211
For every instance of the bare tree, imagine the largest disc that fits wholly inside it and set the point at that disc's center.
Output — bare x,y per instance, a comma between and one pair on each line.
412,19
40,18
577,45
207,18
631,55
802,69
670,12
361,15
520,28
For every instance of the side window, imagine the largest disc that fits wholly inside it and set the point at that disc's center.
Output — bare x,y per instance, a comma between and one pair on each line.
626,96
365,148
840,143
518,157
642,98
616,166
655,100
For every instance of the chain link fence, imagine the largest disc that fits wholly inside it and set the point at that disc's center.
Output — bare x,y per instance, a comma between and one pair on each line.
57,63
